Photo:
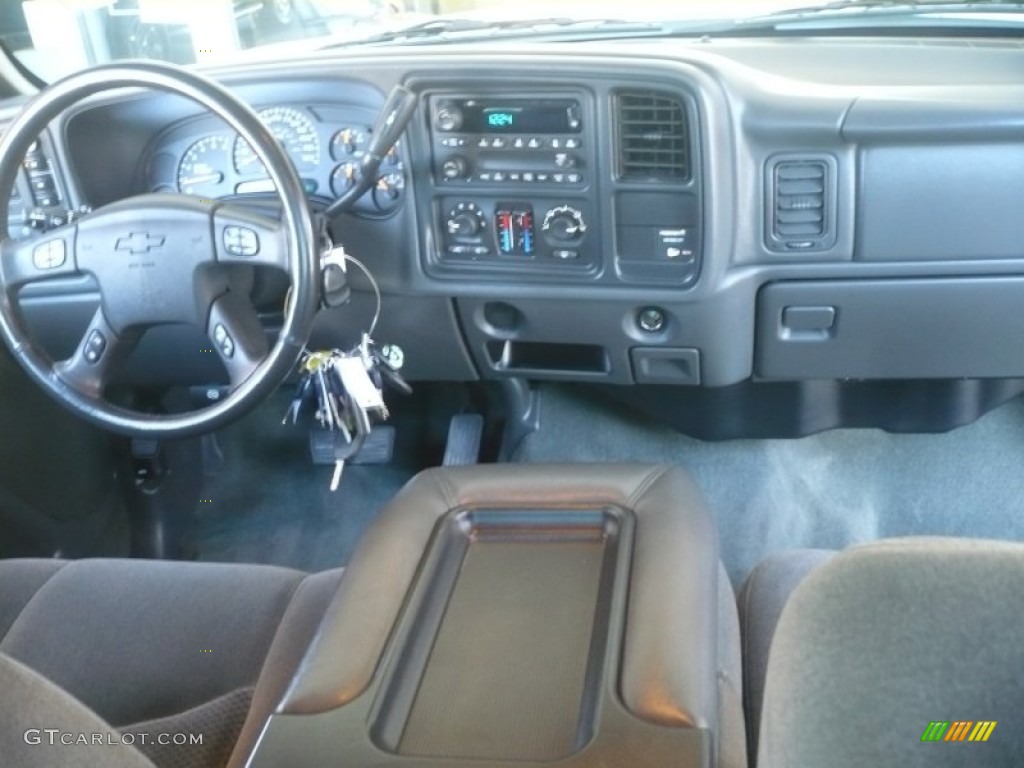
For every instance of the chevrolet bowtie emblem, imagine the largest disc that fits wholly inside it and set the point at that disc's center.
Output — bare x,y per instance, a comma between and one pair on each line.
139,242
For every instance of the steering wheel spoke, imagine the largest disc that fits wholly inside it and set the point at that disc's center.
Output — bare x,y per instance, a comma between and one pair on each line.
41,258
238,336
94,362
246,236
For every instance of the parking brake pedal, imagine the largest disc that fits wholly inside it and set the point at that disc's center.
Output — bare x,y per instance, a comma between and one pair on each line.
464,434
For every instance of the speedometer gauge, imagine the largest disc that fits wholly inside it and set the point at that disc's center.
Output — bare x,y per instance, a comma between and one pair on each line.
204,165
296,133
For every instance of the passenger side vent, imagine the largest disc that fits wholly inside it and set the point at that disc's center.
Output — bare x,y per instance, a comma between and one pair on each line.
654,141
801,203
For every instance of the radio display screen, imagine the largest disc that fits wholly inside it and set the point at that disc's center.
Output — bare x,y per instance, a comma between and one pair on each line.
521,116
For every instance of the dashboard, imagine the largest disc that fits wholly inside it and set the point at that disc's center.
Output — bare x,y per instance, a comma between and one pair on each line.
827,221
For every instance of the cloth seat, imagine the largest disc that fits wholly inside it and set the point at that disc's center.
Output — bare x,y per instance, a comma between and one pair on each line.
153,647
761,599
885,640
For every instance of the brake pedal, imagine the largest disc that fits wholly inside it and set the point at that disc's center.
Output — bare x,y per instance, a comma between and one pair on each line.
464,435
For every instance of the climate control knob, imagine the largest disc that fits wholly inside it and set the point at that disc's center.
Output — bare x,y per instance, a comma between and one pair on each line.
465,221
463,225
563,224
454,168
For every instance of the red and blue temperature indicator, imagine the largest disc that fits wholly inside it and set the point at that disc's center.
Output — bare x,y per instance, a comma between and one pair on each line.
515,230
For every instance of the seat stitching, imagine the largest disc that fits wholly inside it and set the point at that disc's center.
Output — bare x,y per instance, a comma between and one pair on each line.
447,491
29,602
653,476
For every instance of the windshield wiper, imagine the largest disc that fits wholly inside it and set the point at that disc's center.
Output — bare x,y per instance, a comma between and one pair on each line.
837,17
463,29
857,12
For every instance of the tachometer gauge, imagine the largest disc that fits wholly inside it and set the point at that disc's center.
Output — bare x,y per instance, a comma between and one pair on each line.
203,166
296,133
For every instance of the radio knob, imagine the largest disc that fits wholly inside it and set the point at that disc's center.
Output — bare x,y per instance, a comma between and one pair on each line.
453,168
563,224
448,119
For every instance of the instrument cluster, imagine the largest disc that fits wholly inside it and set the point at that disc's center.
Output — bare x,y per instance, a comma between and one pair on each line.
326,144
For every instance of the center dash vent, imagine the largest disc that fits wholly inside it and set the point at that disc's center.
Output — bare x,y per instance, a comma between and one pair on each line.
654,142
801,202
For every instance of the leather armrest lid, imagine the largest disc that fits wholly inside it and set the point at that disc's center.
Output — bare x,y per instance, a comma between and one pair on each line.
669,652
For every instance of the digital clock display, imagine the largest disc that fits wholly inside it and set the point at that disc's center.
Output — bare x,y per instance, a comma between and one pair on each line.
500,119
541,116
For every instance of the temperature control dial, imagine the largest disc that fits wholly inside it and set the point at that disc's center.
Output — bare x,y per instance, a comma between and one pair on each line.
563,224
465,220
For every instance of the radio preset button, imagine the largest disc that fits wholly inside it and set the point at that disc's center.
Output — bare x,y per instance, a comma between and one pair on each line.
565,160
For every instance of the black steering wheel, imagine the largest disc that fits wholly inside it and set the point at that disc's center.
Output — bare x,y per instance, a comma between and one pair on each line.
161,259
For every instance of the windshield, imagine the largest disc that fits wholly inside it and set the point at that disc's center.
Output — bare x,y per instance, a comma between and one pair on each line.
52,38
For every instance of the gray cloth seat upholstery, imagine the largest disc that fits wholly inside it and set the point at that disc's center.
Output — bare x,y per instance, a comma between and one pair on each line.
158,647
887,638
761,600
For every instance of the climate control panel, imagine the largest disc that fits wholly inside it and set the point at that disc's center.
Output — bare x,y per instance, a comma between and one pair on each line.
515,231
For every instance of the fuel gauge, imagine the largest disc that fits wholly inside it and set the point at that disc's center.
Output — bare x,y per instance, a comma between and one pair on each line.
388,190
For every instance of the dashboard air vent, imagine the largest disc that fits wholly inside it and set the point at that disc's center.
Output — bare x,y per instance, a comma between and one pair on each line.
801,199
654,143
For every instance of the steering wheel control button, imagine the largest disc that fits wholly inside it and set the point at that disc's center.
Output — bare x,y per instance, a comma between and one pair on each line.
241,241
223,340
95,346
49,255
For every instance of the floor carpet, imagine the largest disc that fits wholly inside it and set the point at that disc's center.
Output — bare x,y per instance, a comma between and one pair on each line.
828,490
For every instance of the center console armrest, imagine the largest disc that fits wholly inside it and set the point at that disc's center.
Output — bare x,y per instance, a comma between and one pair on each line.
593,586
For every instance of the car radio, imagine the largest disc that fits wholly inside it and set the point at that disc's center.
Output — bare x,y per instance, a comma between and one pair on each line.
508,141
